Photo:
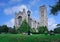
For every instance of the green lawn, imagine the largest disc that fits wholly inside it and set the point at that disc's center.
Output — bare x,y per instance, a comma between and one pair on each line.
27,38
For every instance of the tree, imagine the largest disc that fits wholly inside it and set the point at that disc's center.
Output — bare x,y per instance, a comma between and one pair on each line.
58,25
14,30
55,8
0,29
42,29
32,30
57,30
4,28
24,27
51,32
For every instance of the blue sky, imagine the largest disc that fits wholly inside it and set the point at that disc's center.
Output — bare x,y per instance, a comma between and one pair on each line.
9,7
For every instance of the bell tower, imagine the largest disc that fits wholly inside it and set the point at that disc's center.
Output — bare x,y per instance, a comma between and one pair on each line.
43,16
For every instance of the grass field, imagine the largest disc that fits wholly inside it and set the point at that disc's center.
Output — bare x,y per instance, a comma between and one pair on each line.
27,38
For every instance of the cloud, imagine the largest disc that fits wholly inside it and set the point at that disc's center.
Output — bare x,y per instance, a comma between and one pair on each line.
14,1
33,2
14,9
2,4
51,23
8,11
35,15
10,23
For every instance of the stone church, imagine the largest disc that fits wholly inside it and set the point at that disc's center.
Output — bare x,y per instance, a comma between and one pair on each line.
43,20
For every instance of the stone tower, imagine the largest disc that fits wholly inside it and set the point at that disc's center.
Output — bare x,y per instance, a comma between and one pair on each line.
43,16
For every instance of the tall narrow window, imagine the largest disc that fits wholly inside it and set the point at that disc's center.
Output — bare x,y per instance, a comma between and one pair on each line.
19,20
42,12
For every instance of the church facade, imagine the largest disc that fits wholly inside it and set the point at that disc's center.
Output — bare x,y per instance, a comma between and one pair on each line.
43,20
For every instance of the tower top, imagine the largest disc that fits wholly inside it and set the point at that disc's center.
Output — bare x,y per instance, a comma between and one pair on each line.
43,6
24,10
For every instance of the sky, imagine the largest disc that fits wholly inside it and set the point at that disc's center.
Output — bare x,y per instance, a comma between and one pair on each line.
8,8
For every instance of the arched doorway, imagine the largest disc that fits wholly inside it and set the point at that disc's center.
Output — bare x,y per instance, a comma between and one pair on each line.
20,20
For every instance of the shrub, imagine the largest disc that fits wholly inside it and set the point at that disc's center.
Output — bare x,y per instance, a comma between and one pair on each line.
24,27
51,32
57,30
42,29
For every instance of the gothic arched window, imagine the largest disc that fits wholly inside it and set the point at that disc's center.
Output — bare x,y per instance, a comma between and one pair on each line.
20,20
42,12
